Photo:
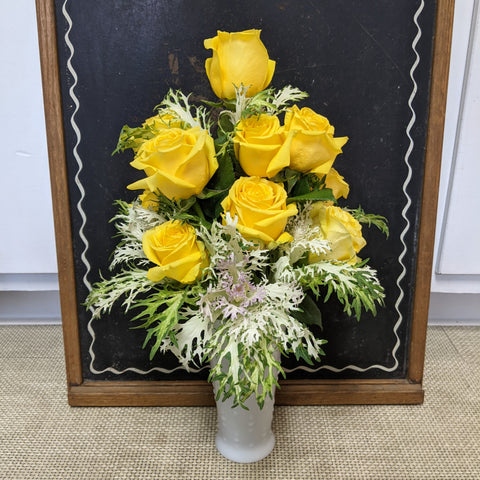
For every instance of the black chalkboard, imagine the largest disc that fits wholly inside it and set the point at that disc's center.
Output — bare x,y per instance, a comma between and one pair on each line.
367,67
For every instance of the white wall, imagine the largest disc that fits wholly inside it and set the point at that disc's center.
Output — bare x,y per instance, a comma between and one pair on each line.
457,264
27,247
456,274
28,281
27,233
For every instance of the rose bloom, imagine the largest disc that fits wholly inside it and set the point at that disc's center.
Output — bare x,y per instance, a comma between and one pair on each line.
261,147
342,231
178,163
238,58
337,184
174,247
261,208
313,146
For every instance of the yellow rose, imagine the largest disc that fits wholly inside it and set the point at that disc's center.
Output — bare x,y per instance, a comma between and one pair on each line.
238,58
261,208
342,231
337,184
261,146
313,147
174,247
178,163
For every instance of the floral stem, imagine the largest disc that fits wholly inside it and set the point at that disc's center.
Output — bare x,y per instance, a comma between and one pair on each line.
199,212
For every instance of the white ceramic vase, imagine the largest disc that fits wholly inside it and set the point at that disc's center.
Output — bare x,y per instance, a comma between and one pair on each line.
245,436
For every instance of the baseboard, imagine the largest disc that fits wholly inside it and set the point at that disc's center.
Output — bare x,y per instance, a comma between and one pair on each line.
454,309
28,282
30,308
462,322
30,321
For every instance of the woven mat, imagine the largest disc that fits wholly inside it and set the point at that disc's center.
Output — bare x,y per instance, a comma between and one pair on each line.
41,437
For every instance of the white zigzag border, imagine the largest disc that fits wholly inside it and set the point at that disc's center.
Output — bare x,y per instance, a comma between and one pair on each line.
84,218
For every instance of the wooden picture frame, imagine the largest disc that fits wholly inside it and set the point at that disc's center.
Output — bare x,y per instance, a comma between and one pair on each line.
87,392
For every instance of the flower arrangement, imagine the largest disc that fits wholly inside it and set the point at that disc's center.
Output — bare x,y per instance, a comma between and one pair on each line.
237,232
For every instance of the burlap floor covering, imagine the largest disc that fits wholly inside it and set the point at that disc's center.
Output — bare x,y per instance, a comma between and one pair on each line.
41,437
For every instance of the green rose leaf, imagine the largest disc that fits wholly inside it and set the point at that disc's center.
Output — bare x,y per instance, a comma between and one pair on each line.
309,314
316,195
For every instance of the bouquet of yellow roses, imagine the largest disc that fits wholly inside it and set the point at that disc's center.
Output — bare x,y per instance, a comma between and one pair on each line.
237,234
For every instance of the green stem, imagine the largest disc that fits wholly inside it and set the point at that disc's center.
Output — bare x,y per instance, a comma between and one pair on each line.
199,212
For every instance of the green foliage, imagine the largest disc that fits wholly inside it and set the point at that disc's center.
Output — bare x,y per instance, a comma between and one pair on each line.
355,286
126,285
184,210
133,137
257,375
274,101
224,128
160,313
224,177
131,222
303,187
315,195
301,353
285,96
177,104
270,101
259,103
218,187
309,313
370,219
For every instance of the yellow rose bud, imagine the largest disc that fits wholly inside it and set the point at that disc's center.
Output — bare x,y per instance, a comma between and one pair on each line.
262,148
313,147
238,58
174,247
261,208
342,231
337,184
178,163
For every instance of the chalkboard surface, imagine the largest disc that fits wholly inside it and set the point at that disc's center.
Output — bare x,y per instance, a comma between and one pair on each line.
367,67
